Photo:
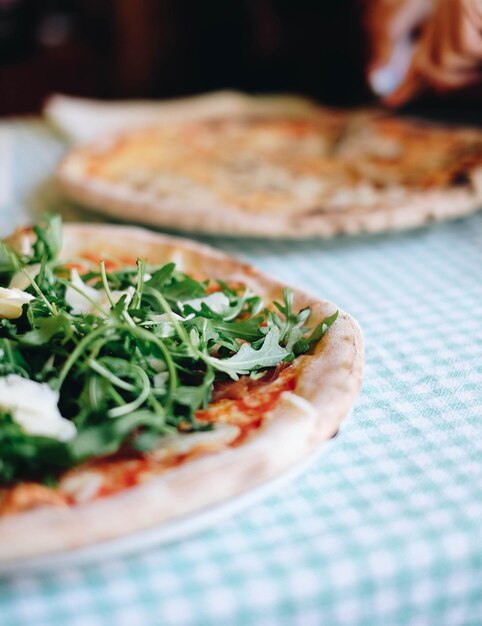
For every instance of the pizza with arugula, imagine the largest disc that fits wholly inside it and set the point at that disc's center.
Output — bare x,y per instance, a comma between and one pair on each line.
144,377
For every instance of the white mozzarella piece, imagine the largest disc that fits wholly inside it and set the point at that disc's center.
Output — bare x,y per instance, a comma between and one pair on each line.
33,406
20,280
166,317
218,302
85,300
80,301
11,302
117,295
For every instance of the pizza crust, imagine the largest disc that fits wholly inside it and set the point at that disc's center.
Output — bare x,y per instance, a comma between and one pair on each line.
83,119
365,209
326,389
414,209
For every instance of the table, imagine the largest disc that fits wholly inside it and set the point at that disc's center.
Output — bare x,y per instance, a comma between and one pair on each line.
386,527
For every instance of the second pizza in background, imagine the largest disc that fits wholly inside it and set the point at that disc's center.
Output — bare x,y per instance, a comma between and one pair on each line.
268,167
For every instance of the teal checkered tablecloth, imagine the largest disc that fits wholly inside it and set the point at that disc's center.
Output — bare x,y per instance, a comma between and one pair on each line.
386,527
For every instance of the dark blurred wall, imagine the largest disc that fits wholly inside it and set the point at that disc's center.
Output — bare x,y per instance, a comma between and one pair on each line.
307,46
167,48
45,46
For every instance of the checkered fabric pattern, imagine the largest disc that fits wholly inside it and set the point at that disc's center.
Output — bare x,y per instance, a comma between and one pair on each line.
386,527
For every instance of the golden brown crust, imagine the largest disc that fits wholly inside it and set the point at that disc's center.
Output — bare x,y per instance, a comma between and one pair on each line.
326,389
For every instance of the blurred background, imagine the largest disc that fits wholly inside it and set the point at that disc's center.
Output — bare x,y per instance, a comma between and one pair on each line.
168,48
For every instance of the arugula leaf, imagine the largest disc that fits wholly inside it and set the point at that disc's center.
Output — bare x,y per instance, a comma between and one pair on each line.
248,359
49,239
249,329
107,437
196,397
8,263
27,457
160,277
305,344
46,328
182,288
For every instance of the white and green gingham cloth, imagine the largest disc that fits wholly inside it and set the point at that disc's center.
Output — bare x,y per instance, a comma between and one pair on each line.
386,527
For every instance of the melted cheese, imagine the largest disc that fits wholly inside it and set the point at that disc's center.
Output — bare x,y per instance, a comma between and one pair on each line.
287,166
